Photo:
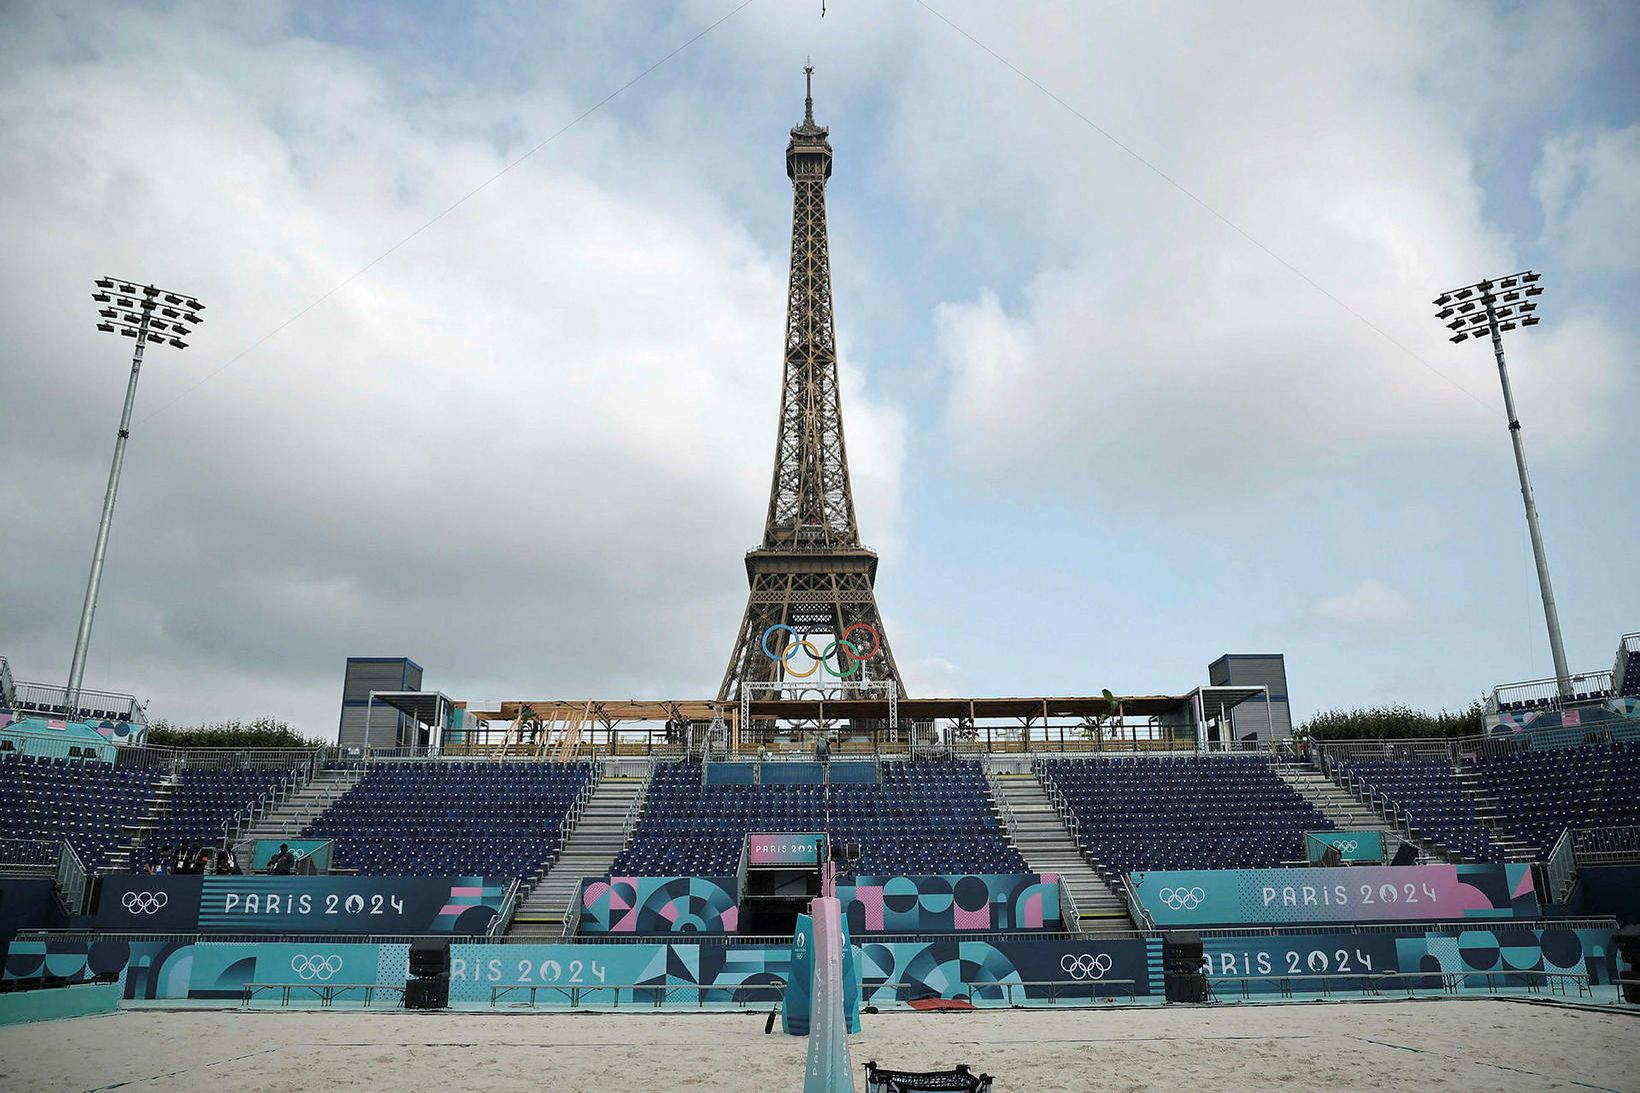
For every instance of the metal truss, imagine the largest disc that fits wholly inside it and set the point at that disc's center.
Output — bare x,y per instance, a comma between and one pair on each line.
811,573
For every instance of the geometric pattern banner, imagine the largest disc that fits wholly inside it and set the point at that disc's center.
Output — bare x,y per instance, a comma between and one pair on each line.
1503,953
871,904
659,905
1360,893
950,904
1497,956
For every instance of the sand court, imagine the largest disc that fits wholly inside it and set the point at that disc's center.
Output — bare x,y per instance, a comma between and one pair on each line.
1463,1044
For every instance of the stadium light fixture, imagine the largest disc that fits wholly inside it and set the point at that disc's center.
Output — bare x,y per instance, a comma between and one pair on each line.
129,311
1490,314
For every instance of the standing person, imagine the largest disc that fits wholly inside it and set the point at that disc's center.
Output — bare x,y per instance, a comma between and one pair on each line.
184,858
822,748
282,864
227,861
163,866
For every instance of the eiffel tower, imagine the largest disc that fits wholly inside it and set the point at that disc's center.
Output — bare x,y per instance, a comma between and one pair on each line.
811,574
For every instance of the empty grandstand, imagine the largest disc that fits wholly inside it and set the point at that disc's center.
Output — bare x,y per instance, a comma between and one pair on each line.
485,819
1183,812
92,806
919,818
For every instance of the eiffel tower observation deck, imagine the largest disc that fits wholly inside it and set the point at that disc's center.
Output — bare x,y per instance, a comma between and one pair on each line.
811,575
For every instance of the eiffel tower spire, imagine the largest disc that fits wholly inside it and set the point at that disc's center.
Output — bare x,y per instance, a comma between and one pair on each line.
811,573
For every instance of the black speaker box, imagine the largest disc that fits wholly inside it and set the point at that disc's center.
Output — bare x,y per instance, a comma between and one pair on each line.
429,956
432,993
1185,986
1405,854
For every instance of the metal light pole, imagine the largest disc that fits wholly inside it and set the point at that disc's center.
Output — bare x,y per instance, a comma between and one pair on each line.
147,314
1490,308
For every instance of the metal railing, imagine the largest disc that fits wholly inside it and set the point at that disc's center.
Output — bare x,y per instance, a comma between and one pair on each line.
503,917
1546,694
327,993
1606,845
52,699
41,854
1561,866
72,880
1369,984
570,927
234,829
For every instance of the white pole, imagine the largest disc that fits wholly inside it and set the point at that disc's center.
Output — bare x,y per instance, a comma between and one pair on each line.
1550,615
82,638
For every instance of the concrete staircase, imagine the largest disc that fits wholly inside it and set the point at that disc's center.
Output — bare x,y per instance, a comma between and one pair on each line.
1042,840
599,835
136,834
1338,804
287,819
1490,815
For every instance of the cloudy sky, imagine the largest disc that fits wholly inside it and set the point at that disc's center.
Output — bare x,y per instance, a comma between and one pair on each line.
1139,362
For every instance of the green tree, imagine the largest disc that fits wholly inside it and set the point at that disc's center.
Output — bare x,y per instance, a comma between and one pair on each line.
263,732
1392,723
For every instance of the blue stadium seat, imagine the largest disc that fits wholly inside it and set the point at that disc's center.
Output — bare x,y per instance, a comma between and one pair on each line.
1430,795
922,818
1542,792
1186,812
87,802
441,818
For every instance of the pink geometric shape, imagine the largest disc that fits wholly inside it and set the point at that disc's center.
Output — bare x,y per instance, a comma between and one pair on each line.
590,894
1032,911
466,890
978,919
731,920
870,897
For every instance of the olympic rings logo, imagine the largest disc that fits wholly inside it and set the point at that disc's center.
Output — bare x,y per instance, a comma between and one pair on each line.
1182,899
844,649
315,967
144,903
1346,846
1085,965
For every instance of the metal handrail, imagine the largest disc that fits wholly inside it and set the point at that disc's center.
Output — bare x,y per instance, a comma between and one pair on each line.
71,880
503,917
570,926
1560,867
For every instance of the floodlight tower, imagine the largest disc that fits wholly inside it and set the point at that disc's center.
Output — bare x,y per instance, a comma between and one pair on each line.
147,314
1490,308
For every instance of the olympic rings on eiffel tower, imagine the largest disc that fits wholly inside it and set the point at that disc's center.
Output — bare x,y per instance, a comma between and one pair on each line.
844,649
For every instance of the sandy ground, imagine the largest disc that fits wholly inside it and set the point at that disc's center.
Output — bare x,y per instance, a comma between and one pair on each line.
1461,1044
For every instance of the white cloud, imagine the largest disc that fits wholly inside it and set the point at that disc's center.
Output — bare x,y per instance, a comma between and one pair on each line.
1154,354
1589,184
1371,607
519,450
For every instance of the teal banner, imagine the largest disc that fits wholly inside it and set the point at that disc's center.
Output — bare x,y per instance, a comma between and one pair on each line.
317,849
1366,847
1345,894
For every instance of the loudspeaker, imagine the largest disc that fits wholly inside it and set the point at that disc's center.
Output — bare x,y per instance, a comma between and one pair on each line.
429,956
1185,986
1405,854
1627,941
432,993
1181,951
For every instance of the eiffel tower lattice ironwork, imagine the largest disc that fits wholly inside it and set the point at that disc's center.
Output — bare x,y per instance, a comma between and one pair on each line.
811,574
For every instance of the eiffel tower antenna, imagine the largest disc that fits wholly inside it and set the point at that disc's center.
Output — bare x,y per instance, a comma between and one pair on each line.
811,574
